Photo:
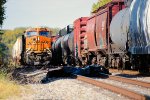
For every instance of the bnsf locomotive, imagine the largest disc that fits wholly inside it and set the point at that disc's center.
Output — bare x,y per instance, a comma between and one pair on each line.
117,35
34,48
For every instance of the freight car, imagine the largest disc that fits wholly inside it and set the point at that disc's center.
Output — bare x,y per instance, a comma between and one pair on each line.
115,36
91,34
133,34
34,48
17,50
98,34
62,48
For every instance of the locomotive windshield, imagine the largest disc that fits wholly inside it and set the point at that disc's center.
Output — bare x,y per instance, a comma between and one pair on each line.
31,33
44,33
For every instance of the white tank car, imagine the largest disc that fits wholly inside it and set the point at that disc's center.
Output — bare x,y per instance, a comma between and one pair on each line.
119,29
17,49
139,31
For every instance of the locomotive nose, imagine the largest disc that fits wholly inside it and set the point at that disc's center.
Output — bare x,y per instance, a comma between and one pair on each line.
38,43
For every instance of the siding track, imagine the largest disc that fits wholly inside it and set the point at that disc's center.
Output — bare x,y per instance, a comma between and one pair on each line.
116,89
130,81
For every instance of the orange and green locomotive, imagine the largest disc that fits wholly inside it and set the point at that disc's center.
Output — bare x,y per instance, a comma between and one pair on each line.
34,47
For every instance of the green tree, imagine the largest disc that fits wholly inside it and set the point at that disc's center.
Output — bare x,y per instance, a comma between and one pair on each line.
10,36
2,11
3,50
99,4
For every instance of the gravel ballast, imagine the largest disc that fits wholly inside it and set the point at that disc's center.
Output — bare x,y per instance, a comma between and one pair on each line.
66,89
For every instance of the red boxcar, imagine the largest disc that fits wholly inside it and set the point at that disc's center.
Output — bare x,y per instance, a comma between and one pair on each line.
98,25
91,34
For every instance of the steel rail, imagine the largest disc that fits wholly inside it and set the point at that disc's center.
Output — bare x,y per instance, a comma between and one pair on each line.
34,73
131,81
116,89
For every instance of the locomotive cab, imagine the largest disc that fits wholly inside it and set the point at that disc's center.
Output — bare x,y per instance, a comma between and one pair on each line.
37,46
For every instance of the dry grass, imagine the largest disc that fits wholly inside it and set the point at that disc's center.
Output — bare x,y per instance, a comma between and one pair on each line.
8,88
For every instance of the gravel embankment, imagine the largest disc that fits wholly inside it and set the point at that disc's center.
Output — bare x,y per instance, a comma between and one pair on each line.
66,89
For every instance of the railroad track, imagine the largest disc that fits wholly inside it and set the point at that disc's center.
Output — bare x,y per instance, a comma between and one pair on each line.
25,77
130,81
127,80
128,72
116,89
32,75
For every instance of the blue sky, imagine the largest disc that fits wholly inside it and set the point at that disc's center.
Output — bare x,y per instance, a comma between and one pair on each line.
51,13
